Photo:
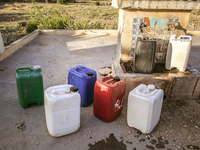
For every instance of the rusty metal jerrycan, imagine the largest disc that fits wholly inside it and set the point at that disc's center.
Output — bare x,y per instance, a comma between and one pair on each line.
145,51
30,86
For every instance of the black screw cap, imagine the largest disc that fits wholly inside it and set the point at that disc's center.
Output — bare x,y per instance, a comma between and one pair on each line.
90,73
139,38
146,38
73,89
116,78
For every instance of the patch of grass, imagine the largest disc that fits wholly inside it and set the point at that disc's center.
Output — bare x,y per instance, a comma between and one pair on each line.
13,8
59,18
80,15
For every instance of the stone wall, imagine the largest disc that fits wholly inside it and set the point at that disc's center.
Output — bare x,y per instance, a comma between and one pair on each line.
176,86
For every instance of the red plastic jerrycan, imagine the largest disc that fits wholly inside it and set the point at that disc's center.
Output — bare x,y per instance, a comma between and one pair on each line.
108,98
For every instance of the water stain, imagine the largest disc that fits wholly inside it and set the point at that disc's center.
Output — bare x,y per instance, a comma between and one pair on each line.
136,135
3,69
161,143
153,142
110,143
142,140
129,142
166,142
198,101
150,147
193,147
139,132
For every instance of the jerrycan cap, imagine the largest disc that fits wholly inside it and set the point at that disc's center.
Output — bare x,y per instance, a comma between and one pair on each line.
146,38
73,89
37,67
90,73
116,78
151,87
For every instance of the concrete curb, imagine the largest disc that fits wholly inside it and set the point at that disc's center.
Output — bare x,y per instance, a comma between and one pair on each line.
11,48
86,31
193,33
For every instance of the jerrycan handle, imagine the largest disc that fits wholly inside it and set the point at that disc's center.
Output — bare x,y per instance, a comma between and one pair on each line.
182,36
150,87
83,70
58,91
25,68
113,80
108,80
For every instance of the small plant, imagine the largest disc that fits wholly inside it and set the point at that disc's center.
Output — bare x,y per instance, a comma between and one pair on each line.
97,3
62,1
13,8
22,24
30,27
114,25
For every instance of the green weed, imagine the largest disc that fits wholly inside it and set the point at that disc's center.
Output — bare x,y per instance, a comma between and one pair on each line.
60,19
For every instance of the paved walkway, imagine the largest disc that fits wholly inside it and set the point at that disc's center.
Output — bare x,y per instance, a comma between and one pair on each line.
179,125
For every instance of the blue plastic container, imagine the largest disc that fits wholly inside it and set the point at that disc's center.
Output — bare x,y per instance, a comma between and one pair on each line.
84,78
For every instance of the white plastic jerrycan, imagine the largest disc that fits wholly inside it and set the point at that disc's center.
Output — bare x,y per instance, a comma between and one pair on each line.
178,52
144,107
62,109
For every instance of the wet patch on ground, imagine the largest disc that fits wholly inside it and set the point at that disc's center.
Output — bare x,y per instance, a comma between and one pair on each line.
192,147
198,101
150,147
161,143
110,143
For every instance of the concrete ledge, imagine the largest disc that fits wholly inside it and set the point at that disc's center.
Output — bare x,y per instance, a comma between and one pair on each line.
193,33
156,4
11,48
176,86
87,31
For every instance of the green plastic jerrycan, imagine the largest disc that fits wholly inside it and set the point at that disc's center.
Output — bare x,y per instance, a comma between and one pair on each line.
30,86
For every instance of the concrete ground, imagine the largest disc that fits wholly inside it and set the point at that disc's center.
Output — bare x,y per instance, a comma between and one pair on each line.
178,128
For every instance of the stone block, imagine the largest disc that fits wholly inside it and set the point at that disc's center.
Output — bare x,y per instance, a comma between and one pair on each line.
176,86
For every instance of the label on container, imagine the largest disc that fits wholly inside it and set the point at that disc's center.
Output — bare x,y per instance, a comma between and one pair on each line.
118,105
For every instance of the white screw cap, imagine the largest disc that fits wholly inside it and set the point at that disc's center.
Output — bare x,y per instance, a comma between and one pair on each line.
151,87
37,67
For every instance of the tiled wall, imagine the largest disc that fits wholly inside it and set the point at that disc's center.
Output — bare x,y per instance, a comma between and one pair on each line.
158,28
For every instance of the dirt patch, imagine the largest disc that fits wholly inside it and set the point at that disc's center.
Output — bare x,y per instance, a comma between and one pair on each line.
21,126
